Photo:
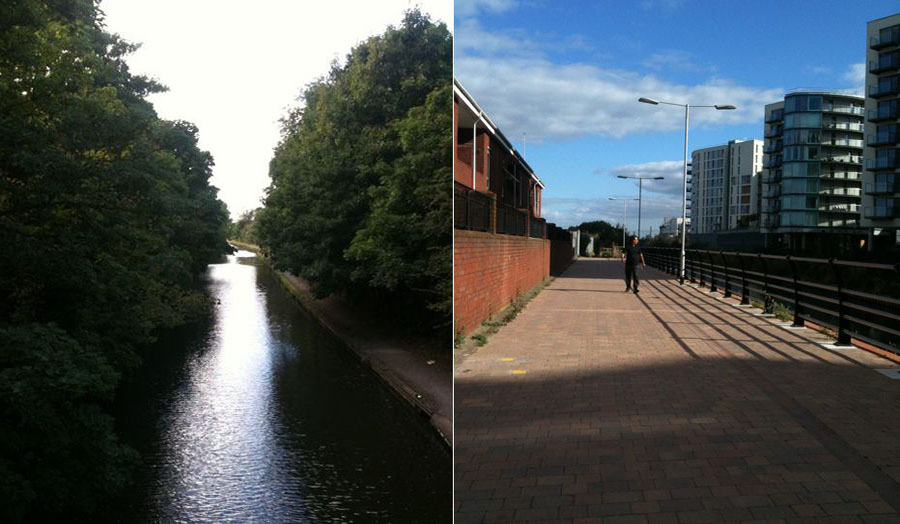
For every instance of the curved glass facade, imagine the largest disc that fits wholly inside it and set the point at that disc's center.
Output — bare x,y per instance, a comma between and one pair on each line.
813,179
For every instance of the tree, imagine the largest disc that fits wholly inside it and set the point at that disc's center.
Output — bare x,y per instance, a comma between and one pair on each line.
106,216
351,162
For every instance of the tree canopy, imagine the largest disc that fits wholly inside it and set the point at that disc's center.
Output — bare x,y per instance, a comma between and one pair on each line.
359,202
106,217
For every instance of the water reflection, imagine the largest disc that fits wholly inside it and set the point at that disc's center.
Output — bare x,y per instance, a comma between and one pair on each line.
271,420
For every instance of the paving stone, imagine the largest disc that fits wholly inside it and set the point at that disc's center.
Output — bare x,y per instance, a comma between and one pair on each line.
668,405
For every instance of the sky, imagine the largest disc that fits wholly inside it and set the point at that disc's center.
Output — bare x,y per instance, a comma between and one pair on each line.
567,75
234,68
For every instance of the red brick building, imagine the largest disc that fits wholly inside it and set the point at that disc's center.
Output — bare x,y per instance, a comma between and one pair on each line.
500,246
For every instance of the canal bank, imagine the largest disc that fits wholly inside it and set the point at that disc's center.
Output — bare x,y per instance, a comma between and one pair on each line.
417,368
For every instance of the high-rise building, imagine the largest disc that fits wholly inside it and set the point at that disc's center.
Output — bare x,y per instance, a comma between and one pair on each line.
881,180
812,167
723,186
671,226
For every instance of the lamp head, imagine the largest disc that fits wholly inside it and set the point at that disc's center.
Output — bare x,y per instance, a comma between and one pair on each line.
723,107
648,101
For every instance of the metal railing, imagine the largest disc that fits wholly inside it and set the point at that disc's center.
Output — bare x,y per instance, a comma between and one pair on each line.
471,209
511,221
854,299
537,227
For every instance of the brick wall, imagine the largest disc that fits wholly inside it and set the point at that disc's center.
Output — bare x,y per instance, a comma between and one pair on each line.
562,254
490,270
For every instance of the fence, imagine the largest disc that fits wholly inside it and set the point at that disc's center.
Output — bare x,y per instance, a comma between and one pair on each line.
472,210
854,299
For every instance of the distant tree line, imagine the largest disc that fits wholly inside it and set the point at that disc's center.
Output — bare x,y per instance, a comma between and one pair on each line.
106,218
245,229
360,196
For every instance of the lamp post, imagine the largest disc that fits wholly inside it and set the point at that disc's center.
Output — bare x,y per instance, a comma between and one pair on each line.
640,180
625,217
687,113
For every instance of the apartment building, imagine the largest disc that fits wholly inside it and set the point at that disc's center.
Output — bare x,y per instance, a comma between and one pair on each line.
812,168
724,192
881,180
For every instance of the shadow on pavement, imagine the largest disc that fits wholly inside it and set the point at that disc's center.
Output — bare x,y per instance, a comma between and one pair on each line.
746,422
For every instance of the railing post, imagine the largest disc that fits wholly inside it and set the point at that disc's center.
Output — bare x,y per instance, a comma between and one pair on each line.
767,300
687,259
745,289
700,260
725,269
712,273
797,320
843,338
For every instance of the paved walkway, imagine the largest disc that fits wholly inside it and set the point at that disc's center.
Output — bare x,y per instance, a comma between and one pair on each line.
670,406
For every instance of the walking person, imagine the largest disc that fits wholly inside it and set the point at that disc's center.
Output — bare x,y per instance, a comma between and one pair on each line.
630,256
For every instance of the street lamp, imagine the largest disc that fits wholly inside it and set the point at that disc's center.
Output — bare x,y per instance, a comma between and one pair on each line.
640,180
625,218
687,112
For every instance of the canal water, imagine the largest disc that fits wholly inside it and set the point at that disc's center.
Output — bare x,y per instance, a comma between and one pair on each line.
262,416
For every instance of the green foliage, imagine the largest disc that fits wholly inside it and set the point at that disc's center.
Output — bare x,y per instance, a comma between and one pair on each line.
359,203
106,216
605,234
246,228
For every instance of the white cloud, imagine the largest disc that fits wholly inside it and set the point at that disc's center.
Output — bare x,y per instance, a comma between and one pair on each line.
552,101
675,59
473,7
855,76
566,212
671,171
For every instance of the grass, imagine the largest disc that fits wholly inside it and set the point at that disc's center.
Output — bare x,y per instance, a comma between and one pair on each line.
466,345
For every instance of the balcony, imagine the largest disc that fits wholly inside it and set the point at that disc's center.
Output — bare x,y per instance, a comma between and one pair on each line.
839,208
846,110
843,142
839,223
775,148
775,116
773,132
879,91
769,163
841,191
883,113
887,39
846,159
885,63
772,178
882,212
881,140
882,163
845,126
886,187
841,175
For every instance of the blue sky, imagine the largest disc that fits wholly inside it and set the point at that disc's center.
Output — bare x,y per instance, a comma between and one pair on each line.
568,75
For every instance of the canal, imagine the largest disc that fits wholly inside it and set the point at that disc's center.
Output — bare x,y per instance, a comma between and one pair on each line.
261,415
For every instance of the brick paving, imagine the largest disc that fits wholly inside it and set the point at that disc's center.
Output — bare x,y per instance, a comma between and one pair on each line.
595,405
